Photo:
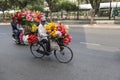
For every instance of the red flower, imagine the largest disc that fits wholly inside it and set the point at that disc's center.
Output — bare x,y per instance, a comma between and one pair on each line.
67,39
32,39
61,29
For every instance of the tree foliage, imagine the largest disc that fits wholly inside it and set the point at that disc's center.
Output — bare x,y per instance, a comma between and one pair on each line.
52,4
4,5
67,5
22,4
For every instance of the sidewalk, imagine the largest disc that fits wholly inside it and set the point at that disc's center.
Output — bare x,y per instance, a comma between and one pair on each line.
107,26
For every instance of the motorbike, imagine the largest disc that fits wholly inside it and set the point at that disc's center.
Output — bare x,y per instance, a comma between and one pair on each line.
17,35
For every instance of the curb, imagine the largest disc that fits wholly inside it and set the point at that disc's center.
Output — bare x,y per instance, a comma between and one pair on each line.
94,22
99,26
4,23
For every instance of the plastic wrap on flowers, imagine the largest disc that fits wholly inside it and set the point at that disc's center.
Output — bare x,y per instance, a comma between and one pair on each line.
25,39
32,39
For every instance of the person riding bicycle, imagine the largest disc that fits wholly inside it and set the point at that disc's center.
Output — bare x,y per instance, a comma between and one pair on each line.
42,33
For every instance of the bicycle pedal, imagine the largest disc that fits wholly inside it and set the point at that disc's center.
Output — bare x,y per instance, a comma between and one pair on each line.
39,51
47,53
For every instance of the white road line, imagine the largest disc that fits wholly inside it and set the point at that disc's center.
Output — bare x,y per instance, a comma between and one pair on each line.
90,43
100,47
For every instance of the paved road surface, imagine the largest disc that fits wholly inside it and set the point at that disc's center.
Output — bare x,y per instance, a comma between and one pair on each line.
96,57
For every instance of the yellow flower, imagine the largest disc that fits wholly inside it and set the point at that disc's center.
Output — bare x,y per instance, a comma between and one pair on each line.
34,28
67,28
47,27
54,35
49,31
51,28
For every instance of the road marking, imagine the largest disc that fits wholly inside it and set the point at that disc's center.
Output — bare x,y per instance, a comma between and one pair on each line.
100,47
89,43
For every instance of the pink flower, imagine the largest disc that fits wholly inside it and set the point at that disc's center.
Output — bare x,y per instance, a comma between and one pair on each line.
59,33
33,14
29,18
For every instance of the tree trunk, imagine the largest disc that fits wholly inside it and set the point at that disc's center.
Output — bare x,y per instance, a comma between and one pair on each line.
92,16
3,15
110,11
50,16
78,15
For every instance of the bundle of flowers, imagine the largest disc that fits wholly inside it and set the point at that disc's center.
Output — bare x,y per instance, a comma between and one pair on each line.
28,18
32,39
59,31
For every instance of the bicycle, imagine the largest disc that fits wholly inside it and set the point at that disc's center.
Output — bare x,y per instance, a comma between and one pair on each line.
64,55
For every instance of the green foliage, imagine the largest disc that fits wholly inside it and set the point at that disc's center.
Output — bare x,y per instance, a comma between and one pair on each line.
67,5
23,4
52,4
35,7
4,5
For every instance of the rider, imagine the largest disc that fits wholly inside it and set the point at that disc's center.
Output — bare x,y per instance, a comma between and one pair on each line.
42,33
15,29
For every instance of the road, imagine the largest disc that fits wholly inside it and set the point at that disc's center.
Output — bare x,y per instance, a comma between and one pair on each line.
96,57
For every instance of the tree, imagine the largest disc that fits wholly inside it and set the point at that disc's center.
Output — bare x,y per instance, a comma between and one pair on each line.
51,5
67,6
4,5
95,5
21,4
78,8
37,5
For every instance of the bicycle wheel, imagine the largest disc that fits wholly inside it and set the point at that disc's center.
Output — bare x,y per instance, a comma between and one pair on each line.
37,50
64,55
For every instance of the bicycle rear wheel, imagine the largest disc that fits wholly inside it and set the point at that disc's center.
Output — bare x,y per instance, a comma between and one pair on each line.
64,55
37,50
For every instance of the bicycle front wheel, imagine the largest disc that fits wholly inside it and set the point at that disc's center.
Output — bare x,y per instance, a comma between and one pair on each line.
64,55
37,50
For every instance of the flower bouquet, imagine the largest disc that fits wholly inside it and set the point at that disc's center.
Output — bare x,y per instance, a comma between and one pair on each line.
28,18
29,21
59,32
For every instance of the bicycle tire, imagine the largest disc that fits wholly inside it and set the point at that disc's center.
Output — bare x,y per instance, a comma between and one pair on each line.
36,53
59,53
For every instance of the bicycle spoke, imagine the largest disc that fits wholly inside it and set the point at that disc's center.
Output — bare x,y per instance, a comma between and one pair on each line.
65,55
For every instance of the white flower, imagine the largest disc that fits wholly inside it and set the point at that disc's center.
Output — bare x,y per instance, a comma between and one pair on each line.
59,33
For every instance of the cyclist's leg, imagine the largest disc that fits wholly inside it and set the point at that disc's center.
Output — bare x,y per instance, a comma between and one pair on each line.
47,44
15,34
